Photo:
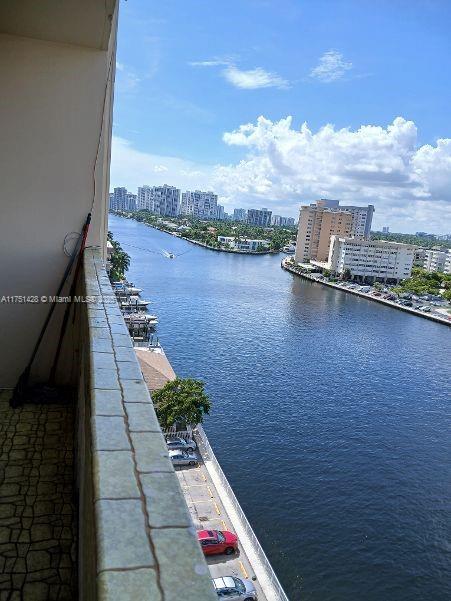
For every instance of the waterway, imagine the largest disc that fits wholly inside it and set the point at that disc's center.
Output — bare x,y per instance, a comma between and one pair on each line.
331,416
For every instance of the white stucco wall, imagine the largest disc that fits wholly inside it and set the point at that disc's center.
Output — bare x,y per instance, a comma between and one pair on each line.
51,107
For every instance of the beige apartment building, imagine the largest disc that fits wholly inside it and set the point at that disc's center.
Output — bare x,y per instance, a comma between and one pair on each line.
316,225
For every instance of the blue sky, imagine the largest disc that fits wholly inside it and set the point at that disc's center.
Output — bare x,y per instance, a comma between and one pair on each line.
191,76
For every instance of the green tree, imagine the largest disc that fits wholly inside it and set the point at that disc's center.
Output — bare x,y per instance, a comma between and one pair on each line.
181,401
120,260
347,275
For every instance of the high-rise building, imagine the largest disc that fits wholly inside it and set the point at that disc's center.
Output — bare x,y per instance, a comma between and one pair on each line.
362,217
220,213
385,229
161,200
118,199
279,221
130,201
166,200
316,226
239,214
202,205
259,217
144,200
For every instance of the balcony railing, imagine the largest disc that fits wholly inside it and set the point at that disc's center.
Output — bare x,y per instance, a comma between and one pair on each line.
136,536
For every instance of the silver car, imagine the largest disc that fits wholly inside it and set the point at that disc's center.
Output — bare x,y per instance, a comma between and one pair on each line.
175,443
183,458
235,589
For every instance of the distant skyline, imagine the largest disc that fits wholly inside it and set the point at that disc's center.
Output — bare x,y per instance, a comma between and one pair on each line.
277,104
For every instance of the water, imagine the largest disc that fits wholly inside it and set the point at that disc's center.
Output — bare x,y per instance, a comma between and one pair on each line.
331,417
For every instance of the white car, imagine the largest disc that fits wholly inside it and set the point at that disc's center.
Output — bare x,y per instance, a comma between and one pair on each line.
183,458
234,589
176,443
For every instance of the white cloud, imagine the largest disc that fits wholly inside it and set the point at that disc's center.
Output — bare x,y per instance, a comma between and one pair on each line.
209,63
331,67
282,167
253,79
410,186
132,168
250,79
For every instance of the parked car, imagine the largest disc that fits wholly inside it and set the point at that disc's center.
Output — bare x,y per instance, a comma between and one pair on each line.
235,589
174,443
183,458
217,541
426,309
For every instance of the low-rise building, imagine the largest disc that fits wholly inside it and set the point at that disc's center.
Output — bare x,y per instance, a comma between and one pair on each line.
369,260
435,259
419,256
447,268
244,243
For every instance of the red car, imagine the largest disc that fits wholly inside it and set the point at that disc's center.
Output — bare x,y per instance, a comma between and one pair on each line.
217,541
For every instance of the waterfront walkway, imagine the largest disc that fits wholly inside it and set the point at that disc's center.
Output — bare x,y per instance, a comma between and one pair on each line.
37,512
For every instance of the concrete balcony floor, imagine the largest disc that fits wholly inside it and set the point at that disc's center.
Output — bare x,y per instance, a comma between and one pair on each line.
37,511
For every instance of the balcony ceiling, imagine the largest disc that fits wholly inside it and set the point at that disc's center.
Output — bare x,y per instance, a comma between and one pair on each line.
80,22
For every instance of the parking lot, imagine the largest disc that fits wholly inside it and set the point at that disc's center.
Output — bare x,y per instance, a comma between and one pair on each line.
207,512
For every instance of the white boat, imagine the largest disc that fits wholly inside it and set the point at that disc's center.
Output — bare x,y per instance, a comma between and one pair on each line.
289,249
135,302
133,290
140,318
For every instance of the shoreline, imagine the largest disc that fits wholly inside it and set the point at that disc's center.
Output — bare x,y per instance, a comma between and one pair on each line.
199,243
378,299
224,250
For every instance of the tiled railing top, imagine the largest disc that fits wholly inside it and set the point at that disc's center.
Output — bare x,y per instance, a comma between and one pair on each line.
146,543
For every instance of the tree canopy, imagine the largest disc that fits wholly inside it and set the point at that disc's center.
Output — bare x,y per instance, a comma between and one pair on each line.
207,231
424,282
181,401
120,260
